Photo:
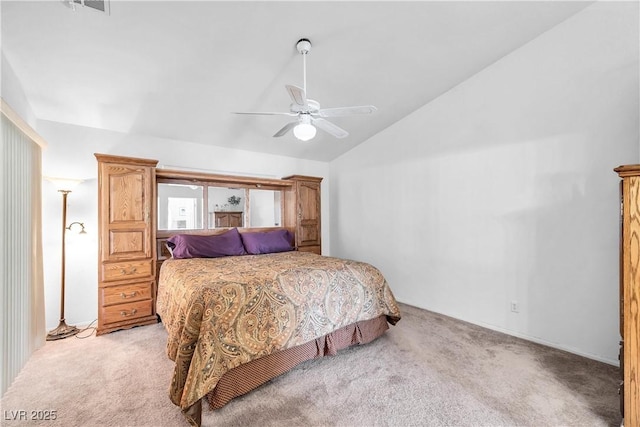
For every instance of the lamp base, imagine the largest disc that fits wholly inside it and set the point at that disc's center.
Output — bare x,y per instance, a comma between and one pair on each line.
62,331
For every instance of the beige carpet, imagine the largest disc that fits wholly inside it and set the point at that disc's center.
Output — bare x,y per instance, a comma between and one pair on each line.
429,370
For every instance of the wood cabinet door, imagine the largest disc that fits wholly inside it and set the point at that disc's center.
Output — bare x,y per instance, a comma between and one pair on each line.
630,293
308,213
228,219
235,219
222,219
126,193
631,300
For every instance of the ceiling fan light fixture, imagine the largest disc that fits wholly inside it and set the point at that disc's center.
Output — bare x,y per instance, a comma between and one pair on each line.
308,112
304,131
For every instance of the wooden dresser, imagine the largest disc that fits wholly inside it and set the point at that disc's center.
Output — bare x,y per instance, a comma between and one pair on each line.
228,219
302,212
630,294
126,253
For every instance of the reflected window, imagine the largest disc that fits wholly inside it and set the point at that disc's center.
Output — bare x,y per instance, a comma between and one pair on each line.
180,206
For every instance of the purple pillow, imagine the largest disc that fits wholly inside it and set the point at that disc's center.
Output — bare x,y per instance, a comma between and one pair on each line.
211,246
266,242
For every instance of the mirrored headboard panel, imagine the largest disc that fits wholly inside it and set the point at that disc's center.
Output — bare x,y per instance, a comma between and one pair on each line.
195,202
180,206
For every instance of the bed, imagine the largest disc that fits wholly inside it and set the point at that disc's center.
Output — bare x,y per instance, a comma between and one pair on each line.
241,318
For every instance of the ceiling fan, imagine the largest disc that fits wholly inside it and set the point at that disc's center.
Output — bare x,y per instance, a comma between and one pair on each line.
308,113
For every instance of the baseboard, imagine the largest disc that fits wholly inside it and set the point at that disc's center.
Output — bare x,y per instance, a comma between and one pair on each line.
528,338
548,344
80,325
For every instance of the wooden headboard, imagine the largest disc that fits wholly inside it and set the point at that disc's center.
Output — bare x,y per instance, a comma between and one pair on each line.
288,209
300,206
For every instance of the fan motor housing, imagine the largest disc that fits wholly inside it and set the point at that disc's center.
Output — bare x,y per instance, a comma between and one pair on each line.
312,107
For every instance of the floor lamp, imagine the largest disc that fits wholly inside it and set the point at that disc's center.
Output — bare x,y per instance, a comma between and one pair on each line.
63,330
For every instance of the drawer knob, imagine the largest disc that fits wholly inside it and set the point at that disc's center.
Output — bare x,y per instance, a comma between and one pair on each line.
126,273
125,314
131,295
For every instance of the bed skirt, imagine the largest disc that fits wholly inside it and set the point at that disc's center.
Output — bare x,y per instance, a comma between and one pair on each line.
244,378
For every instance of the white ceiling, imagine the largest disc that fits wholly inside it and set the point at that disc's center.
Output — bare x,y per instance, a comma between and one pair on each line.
176,69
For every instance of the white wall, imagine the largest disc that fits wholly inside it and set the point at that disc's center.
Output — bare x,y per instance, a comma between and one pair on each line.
12,92
70,154
503,190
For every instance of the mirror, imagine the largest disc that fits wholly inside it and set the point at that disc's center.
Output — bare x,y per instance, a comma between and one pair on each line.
180,206
226,207
265,208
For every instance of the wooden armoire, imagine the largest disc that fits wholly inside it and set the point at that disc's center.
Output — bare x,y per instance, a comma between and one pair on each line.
630,293
126,249
302,211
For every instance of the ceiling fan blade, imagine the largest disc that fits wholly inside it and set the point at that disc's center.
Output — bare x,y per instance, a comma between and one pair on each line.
330,128
265,113
297,95
346,111
285,129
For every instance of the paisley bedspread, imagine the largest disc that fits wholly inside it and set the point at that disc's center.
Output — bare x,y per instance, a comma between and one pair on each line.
224,312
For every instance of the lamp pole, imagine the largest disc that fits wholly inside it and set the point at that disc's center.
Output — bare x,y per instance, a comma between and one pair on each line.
63,330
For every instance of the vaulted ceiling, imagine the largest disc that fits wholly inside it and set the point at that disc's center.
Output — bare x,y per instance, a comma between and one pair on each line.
177,69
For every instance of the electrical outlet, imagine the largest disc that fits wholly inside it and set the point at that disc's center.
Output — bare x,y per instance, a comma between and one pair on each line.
514,306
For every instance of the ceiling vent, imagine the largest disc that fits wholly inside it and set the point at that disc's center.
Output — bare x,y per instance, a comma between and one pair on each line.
99,5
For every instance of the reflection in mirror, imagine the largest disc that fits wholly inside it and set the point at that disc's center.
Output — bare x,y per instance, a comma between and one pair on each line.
226,207
265,208
180,206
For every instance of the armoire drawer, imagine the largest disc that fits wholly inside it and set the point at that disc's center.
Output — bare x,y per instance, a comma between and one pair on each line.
127,270
126,293
124,312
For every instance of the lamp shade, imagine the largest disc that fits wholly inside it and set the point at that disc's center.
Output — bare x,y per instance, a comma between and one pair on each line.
64,184
304,131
